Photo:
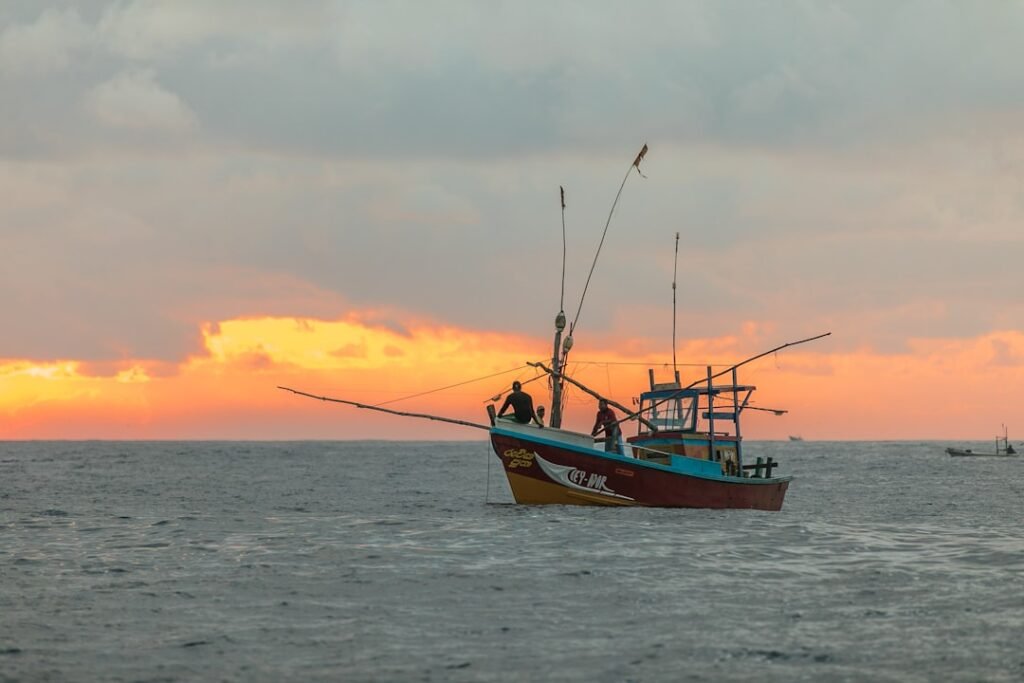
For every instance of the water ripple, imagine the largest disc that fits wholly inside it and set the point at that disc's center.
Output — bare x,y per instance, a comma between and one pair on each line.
380,561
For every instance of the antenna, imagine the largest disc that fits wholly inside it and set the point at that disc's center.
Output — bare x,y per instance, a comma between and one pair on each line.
675,266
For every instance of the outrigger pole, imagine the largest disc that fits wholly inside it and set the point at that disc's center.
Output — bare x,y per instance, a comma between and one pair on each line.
626,410
385,410
731,368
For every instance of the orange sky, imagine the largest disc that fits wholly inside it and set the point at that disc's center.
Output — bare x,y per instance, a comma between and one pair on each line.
203,201
937,389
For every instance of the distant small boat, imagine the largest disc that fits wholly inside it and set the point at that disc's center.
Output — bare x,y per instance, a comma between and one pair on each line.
1004,449
1009,452
795,438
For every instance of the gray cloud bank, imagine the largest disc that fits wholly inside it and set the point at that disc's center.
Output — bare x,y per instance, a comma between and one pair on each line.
855,166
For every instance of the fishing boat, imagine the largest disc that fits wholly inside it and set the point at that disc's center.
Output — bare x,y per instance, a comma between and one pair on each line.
687,450
680,456
795,438
1004,449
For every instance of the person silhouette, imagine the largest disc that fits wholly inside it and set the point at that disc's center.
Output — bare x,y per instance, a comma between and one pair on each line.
521,404
609,424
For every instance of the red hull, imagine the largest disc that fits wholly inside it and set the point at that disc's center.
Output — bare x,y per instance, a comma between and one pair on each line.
541,472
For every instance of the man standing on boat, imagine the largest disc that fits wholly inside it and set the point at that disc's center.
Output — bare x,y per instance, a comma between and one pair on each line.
521,404
607,422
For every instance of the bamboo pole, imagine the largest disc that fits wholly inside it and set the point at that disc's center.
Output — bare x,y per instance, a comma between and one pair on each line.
385,410
728,370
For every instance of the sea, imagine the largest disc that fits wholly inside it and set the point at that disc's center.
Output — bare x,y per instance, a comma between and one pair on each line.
409,561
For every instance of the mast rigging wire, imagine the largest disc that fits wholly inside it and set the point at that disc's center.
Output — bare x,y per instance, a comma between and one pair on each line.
636,165
497,397
450,386
561,300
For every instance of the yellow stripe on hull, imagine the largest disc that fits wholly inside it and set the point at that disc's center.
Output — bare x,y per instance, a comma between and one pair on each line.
530,491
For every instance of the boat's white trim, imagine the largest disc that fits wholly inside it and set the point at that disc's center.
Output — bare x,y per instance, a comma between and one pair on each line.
564,475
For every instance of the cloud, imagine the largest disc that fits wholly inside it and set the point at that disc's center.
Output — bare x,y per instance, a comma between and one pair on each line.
135,100
350,350
852,167
1005,353
159,31
48,44
457,80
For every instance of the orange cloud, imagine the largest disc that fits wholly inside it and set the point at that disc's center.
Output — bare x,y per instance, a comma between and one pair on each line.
940,388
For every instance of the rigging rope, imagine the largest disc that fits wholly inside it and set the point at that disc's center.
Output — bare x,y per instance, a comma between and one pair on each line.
497,397
561,300
660,364
451,386
636,165
487,493
572,327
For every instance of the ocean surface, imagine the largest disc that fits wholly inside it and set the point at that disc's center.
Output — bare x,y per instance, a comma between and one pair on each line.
398,561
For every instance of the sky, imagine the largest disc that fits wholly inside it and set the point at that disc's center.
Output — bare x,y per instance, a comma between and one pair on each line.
201,202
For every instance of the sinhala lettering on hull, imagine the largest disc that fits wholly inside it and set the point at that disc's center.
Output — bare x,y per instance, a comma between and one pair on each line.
571,477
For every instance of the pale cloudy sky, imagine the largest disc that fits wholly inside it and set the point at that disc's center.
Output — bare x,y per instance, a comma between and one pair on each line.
848,166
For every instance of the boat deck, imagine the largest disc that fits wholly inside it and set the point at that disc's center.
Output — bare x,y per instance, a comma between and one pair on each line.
585,443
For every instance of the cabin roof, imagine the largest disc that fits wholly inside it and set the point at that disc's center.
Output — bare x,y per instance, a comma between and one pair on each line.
696,391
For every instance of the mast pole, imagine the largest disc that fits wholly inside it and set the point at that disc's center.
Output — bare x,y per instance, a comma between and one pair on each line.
736,421
598,396
556,380
675,266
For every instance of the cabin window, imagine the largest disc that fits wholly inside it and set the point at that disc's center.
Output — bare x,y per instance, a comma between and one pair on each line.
675,414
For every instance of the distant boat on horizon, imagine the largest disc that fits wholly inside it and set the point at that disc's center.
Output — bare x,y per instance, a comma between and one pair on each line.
795,438
1005,451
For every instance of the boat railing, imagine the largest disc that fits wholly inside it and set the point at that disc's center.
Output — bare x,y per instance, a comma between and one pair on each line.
760,466
760,469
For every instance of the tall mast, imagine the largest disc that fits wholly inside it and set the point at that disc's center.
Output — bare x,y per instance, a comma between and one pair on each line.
556,380
675,368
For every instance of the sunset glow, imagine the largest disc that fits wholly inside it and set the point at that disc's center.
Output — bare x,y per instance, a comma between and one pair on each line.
205,201
230,391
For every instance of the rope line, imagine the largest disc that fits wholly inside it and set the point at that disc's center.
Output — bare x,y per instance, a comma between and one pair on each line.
561,301
636,165
450,386
600,244
487,494
661,364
